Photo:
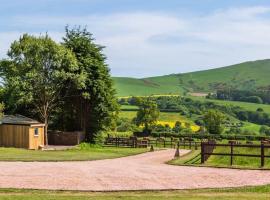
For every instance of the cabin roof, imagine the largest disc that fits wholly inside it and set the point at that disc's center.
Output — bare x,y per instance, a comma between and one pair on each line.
20,120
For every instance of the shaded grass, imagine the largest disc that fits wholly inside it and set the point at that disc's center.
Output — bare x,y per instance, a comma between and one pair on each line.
93,153
245,193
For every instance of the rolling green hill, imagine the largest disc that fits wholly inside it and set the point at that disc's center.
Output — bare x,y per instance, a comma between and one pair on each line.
246,75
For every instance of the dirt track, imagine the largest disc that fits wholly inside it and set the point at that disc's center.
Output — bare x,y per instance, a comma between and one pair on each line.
141,172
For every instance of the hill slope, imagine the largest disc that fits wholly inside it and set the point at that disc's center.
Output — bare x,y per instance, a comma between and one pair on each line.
246,75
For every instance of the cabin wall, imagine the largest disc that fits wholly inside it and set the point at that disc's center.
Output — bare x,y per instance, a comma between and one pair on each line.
21,136
14,136
36,140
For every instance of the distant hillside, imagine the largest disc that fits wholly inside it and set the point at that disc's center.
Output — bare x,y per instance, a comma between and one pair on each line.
248,75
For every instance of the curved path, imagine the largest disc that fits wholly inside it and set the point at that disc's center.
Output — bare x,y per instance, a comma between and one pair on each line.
141,172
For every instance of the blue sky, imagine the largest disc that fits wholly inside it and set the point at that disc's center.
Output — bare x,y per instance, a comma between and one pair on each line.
150,37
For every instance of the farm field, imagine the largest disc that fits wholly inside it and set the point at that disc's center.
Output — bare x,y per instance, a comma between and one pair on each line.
129,111
165,118
245,105
245,193
90,153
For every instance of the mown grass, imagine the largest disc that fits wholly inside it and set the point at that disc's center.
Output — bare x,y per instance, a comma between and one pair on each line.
243,193
78,154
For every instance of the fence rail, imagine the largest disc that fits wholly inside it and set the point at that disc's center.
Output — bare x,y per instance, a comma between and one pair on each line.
135,142
132,142
207,149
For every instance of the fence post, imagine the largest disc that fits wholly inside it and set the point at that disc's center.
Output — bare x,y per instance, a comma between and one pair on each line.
189,144
262,154
164,143
231,153
202,153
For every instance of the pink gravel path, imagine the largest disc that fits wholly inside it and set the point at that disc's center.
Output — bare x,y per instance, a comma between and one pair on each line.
141,172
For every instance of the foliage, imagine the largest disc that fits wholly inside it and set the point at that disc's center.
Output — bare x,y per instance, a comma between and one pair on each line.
265,130
147,114
39,73
213,120
125,125
252,96
2,106
95,103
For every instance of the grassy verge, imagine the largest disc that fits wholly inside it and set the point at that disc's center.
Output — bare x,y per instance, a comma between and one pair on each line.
194,158
188,159
78,154
245,193
239,162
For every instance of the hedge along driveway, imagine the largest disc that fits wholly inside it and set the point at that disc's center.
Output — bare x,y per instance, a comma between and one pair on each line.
141,172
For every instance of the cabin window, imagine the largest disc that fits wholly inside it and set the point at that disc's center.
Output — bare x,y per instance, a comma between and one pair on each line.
36,132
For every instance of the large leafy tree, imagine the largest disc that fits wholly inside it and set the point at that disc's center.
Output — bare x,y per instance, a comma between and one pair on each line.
148,113
95,106
213,120
39,73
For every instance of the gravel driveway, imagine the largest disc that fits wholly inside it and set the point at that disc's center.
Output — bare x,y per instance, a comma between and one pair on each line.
141,172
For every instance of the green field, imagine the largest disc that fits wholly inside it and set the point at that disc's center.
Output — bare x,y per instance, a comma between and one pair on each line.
169,117
243,76
244,193
91,153
172,117
245,105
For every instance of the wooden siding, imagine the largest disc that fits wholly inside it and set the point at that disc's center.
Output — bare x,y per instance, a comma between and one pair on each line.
20,136
36,141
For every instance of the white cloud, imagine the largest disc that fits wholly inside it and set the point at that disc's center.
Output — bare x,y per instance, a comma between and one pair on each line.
152,43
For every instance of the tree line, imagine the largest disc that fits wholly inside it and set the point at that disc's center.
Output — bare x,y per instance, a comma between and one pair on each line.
252,96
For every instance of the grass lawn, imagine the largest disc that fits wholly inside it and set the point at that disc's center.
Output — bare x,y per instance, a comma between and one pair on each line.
188,159
91,153
194,158
242,162
245,193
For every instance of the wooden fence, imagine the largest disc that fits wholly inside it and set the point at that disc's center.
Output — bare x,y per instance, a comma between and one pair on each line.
207,149
135,142
132,142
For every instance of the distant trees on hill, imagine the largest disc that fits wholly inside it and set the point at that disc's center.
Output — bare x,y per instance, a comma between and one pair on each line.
252,96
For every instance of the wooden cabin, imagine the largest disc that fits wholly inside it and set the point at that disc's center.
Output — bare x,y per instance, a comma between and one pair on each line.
21,132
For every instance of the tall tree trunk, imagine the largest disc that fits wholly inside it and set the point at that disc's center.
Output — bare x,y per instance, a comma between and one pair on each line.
46,130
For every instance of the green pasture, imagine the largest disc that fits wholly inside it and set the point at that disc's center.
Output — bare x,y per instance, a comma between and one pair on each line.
245,76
